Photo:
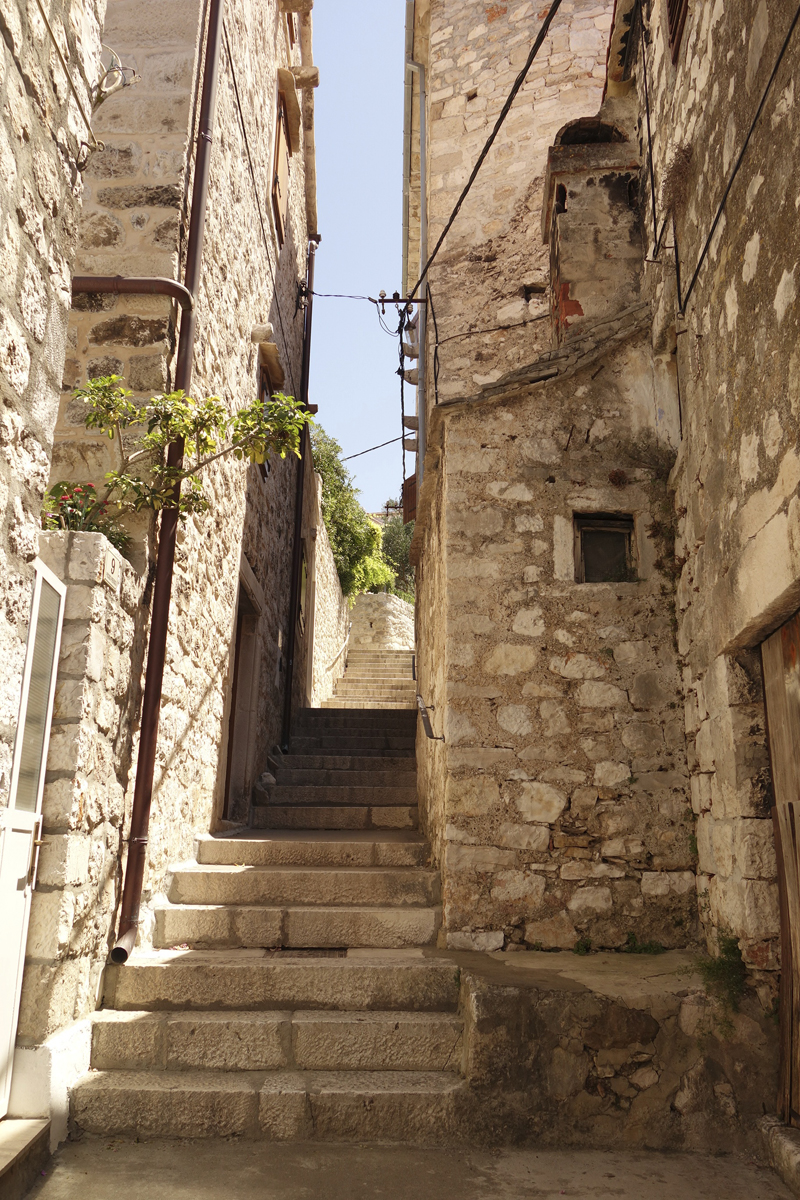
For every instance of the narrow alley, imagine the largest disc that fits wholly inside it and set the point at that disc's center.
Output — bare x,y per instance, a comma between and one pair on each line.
399,722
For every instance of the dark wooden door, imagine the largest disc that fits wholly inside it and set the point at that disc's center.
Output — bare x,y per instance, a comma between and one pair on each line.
780,656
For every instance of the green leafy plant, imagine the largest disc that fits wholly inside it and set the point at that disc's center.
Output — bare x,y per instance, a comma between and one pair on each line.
634,946
726,975
355,539
582,946
396,544
146,478
76,506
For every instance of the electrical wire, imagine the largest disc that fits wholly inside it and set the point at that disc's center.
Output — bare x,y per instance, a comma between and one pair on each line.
380,447
337,296
518,82
258,205
95,144
493,329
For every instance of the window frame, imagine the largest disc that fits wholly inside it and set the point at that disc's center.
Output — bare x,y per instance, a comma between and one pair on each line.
677,12
43,575
283,145
609,523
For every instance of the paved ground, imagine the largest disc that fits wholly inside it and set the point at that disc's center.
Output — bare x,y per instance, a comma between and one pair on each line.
107,1169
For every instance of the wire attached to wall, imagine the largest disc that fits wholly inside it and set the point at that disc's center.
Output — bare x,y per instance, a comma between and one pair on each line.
518,82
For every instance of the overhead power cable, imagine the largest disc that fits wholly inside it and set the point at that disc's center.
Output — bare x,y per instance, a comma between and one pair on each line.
380,447
504,111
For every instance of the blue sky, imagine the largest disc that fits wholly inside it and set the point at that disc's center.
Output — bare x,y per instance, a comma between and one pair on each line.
359,48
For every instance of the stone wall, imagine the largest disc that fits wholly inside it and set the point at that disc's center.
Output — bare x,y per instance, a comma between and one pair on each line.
382,620
41,143
331,616
84,811
562,799
737,473
136,219
493,270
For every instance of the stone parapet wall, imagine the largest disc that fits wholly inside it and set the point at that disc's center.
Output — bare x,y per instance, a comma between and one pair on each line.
84,803
382,621
611,1051
41,136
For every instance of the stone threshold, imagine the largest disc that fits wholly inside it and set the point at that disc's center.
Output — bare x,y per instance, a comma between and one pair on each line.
24,1154
782,1148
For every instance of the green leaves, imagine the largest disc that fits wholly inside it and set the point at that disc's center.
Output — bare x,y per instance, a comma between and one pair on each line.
204,428
355,539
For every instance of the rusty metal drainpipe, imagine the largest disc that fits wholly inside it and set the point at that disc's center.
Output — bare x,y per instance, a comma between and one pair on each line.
297,548
139,285
156,652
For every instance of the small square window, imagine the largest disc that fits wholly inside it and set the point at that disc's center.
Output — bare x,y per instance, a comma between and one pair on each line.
604,549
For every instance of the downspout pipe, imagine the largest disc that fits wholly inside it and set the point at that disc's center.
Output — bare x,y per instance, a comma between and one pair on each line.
297,547
165,561
407,110
128,285
422,414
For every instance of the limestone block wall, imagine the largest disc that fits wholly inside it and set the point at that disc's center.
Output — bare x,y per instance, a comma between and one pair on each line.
493,269
41,133
737,474
382,621
84,809
564,810
331,619
137,216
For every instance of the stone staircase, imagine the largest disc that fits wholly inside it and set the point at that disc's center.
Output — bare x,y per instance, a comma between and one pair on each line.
293,992
375,679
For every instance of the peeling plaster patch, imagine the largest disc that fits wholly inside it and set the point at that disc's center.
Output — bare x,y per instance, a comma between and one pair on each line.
786,294
773,433
751,257
752,189
748,457
784,105
731,307
729,144
758,38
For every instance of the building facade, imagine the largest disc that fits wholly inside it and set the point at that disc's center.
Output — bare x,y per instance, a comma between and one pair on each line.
605,480
128,209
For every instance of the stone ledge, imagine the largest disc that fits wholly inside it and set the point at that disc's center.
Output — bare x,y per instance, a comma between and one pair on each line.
24,1152
782,1147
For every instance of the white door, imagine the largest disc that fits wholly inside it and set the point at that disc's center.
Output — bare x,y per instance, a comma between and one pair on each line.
21,822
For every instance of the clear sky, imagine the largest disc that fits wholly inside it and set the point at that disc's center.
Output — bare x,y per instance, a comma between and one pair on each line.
358,113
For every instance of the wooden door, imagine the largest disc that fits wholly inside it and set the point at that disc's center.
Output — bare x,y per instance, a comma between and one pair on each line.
780,656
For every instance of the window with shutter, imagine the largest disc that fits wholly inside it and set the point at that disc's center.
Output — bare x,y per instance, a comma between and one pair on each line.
676,19
280,177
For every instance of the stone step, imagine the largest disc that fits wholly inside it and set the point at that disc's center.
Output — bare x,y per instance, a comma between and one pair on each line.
341,762
310,816
371,703
380,673
346,689
375,776
316,926
261,980
362,722
332,743
338,850
345,1106
273,1041
285,885
291,794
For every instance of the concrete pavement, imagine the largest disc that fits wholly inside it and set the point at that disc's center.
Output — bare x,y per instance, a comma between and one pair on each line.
104,1168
